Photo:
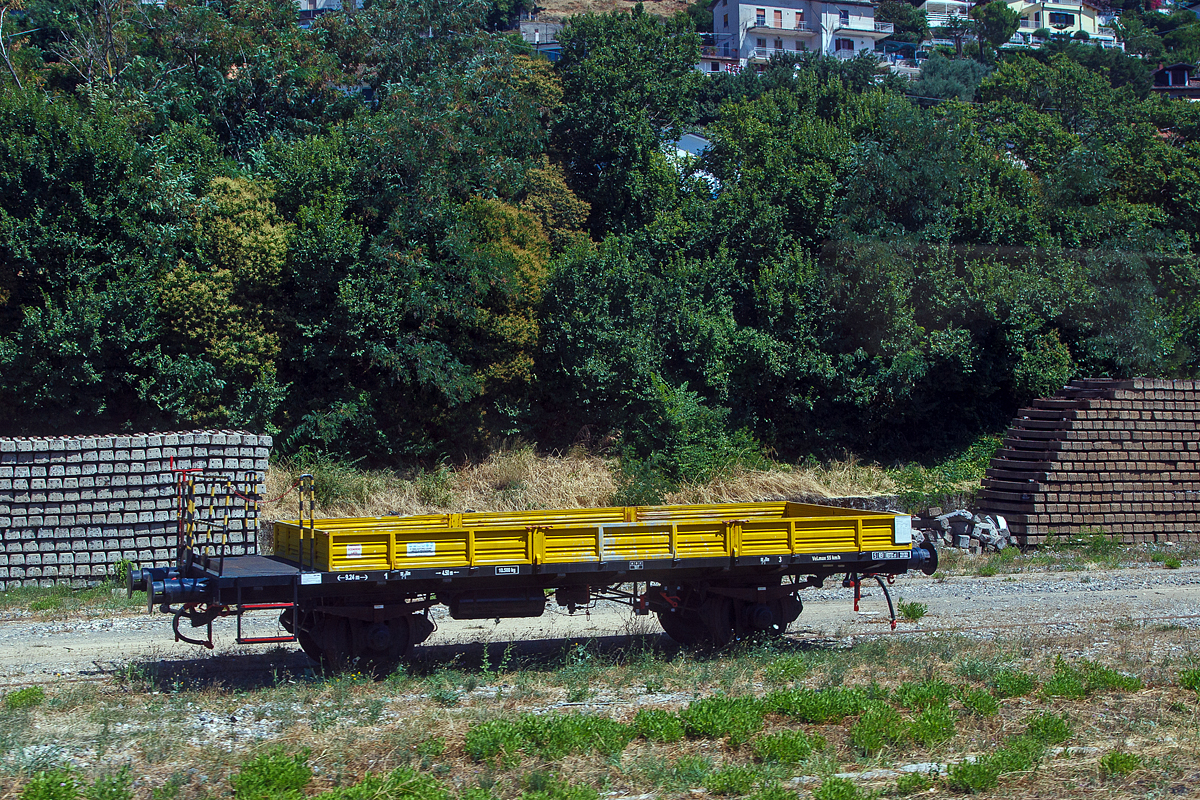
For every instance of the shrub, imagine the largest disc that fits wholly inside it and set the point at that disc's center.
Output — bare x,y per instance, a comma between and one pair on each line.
934,724
817,707
978,669
1010,683
656,725
879,725
924,694
28,697
272,775
980,702
911,783
911,610
1190,679
737,718
731,780
1172,562
55,784
1115,763
838,789
787,747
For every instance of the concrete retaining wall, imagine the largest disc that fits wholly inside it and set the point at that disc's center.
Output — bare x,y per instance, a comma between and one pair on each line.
73,507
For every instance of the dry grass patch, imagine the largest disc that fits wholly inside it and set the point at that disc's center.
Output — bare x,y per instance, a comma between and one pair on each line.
520,479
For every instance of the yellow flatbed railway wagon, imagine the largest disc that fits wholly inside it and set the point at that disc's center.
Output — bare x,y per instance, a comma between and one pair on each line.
357,591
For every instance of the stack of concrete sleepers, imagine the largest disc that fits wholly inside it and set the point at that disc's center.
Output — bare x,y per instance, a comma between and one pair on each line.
1119,457
73,507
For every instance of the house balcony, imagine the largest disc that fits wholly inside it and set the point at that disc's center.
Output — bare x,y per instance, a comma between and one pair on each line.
761,55
722,53
1029,25
803,29
865,27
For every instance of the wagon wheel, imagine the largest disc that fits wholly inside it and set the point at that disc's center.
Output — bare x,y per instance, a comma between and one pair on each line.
717,614
684,627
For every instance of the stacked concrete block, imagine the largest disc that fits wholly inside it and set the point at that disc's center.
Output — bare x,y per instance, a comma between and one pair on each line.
1106,456
71,508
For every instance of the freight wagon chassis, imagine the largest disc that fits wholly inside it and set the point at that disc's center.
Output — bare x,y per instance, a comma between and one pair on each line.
372,620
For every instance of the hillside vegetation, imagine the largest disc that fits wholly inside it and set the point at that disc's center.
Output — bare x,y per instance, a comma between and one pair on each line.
395,237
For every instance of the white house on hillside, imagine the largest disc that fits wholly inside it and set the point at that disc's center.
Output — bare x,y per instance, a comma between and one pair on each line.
748,34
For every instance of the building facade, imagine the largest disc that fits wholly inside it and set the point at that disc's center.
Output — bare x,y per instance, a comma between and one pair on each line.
1066,17
747,35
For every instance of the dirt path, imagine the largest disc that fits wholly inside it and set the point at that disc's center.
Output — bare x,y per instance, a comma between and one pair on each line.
92,648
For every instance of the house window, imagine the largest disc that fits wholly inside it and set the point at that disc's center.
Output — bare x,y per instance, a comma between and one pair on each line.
778,19
843,44
1060,20
1037,17
761,43
801,46
760,16
726,21
724,3
844,17
714,67
800,18
779,44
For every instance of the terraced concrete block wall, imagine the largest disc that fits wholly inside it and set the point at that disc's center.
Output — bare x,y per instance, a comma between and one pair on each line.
72,507
1118,457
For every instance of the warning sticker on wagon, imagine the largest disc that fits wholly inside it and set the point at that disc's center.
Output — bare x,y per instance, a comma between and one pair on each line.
421,548
354,551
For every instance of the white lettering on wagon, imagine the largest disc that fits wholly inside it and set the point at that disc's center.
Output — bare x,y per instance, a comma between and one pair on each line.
351,578
889,556
420,548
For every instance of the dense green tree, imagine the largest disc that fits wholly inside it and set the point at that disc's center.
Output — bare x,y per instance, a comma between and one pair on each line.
995,22
629,86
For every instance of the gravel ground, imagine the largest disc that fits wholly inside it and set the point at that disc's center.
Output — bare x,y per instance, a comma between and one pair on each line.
33,649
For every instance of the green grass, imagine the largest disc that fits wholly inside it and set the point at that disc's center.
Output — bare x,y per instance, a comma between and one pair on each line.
1190,679
932,726
108,596
733,780
979,702
1085,678
955,477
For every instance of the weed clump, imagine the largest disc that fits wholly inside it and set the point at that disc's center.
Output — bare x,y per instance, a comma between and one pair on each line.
817,706
911,610
1085,678
787,747
735,780
551,737
979,702
272,775
737,718
838,789
1049,728
656,725
878,726
1190,679
1116,763
787,669
403,784
55,784
933,725
540,786
1010,683
28,697
924,694
911,783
